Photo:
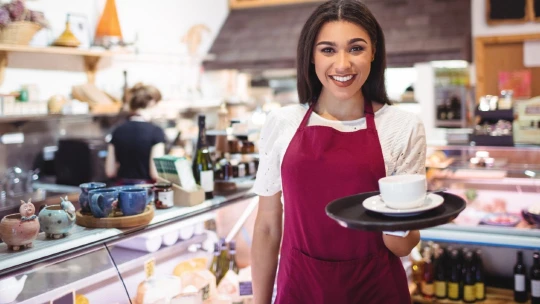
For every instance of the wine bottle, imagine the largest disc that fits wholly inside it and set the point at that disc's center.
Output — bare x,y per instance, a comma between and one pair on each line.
535,279
203,167
214,267
480,286
469,292
223,260
455,277
440,275
520,293
232,257
427,283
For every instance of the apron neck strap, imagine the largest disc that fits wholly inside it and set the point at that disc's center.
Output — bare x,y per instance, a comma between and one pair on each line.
370,115
368,111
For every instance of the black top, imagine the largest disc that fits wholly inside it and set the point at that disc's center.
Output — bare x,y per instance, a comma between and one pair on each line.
133,142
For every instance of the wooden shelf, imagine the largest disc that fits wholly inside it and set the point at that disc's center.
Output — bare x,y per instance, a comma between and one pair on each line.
91,57
59,50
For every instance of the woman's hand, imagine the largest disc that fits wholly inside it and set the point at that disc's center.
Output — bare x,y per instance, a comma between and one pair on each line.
402,246
265,247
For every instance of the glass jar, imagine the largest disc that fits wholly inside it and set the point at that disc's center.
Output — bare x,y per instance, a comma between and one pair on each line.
164,195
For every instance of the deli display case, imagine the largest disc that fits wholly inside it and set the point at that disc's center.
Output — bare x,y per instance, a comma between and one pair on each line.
134,265
501,186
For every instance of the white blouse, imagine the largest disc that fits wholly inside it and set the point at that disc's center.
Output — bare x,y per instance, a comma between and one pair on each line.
401,134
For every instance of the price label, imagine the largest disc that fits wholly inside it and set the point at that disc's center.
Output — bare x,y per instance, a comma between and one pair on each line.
149,267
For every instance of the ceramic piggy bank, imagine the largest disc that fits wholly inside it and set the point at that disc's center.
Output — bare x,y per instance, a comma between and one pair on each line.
57,220
20,229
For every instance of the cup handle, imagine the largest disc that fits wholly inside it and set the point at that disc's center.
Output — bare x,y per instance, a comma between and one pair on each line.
94,203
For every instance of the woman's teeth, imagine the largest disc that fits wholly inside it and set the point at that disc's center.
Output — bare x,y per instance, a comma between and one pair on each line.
342,79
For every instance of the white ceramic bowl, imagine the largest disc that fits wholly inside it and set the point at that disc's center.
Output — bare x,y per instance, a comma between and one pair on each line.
403,191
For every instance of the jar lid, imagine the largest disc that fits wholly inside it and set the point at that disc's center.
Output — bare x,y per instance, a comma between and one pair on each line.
163,185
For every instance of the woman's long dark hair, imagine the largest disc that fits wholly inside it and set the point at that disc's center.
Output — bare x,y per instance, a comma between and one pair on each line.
309,86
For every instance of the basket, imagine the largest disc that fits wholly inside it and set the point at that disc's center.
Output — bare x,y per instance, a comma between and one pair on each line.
19,32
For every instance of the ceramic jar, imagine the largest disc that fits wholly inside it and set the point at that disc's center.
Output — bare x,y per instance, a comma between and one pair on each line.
10,288
57,220
83,197
20,229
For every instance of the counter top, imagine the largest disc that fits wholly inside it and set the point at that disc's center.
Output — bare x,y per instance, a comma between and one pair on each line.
82,238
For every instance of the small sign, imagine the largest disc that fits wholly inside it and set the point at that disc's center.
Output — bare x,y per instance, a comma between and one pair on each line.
149,267
68,298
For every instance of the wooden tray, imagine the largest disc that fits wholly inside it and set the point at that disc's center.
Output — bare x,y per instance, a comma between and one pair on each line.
90,221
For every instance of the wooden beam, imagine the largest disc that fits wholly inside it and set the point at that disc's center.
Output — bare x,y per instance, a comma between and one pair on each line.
242,4
3,65
90,67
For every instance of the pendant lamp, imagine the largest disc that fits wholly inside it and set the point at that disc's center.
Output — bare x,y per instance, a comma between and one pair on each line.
108,31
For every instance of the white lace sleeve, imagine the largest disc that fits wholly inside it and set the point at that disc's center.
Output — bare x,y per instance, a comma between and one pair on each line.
412,159
268,181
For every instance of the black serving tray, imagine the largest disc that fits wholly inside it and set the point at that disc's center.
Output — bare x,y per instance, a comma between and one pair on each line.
350,213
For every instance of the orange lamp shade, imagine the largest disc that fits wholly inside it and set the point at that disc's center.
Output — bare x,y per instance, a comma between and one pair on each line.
108,25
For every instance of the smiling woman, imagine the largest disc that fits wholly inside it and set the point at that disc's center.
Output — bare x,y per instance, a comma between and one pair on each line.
341,139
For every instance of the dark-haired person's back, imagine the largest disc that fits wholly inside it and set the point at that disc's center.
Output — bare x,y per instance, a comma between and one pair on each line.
136,142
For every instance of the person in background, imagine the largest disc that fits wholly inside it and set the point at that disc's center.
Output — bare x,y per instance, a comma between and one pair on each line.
137,141
339,141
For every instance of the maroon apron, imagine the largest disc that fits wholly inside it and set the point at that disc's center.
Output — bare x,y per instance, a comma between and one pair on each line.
321,261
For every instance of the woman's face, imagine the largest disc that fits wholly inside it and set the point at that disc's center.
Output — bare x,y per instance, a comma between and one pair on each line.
342,56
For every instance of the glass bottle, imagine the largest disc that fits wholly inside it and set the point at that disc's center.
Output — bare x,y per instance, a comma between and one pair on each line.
469,292
223,260
232,257
455,277
440,275
480,286
214,267
535,279
427,283
520,292
203,167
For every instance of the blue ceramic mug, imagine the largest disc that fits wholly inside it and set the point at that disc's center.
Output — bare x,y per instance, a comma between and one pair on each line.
103,202
132,201
83,198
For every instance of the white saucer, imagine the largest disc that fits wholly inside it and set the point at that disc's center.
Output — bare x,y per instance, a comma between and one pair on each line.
376,204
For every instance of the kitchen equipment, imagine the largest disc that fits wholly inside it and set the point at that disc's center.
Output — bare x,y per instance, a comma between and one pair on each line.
350,213
17,182
79,160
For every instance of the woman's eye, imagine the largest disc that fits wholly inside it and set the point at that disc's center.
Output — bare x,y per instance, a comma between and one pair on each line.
357,49
327,50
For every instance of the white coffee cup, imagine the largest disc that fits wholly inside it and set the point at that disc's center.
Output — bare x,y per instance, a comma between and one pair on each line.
403,191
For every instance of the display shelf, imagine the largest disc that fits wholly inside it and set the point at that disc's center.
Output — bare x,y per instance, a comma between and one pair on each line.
493,296
91,57
46,117
84,238
94,268
484,236
496,114
449,123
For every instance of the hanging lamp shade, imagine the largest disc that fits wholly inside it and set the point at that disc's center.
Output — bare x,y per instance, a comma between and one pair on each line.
108,30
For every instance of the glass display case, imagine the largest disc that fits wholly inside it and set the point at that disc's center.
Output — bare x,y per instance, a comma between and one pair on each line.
110,265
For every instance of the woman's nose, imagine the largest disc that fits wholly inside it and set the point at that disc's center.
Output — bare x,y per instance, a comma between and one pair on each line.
343,63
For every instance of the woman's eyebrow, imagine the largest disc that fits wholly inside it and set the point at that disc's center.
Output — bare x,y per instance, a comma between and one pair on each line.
331,43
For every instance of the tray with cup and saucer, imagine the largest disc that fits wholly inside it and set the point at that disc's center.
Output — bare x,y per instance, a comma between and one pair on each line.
403,203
